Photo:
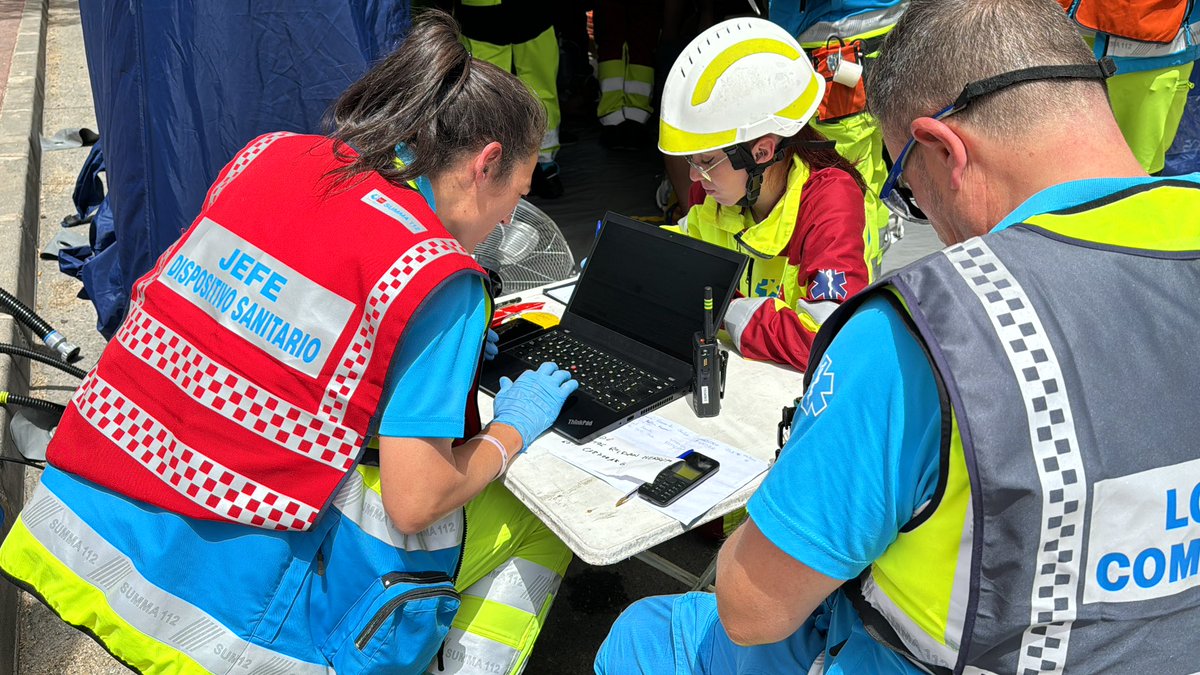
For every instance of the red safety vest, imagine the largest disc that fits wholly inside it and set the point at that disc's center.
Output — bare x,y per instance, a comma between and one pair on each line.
242,383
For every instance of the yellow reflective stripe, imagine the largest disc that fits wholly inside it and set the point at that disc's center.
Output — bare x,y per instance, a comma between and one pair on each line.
810,324
803,105
80,604
1167,218
733,54
917,571
679,142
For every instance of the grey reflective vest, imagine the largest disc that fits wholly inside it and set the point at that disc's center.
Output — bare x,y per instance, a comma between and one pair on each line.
1064,535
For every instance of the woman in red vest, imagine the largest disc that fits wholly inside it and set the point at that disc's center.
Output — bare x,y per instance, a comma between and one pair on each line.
210,500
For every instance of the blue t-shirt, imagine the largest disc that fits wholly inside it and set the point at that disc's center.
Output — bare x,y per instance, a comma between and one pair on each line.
864,451
433,370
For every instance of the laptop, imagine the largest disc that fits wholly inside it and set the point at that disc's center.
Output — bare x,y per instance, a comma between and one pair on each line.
626,334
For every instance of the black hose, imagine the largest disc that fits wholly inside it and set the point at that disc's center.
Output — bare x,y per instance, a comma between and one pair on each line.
38,356
24,314
7,399
47,334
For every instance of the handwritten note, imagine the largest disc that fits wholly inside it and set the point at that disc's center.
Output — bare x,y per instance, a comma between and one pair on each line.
638,451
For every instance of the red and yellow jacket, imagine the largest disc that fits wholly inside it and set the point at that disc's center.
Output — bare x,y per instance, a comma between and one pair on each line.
806,257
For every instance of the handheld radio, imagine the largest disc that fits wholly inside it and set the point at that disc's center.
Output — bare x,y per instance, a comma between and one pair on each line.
708,365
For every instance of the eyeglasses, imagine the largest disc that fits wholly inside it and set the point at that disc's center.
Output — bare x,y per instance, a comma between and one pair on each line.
895,193
702,170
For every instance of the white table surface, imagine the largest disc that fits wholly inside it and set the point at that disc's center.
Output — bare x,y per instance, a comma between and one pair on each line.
581,509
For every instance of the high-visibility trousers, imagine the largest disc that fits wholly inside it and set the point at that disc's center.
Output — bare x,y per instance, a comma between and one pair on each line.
536,64
1148,106
626,31
168,594
860,140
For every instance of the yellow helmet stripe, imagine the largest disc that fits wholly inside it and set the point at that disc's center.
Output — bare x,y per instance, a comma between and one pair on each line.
674,141
713,71
803,104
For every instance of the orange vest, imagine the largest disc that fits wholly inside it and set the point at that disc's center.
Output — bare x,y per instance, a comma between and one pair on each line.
242,383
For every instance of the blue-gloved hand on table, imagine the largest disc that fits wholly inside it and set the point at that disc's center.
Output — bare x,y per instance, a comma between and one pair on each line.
492,347
531,404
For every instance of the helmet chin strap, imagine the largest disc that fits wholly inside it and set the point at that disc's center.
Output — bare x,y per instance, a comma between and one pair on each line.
742,157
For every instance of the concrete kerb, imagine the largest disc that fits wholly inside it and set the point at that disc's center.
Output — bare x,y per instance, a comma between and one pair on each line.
20,176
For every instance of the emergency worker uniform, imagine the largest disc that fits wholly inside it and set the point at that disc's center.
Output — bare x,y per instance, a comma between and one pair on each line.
806,257
1007,483
857,133
517,36
1154,46
205,509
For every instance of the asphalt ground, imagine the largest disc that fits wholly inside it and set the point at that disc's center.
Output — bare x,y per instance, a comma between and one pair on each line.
595,179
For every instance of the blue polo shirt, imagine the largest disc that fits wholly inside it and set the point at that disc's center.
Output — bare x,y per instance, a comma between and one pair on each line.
865,448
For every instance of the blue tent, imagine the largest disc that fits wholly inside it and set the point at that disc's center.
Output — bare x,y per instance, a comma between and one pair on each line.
181,85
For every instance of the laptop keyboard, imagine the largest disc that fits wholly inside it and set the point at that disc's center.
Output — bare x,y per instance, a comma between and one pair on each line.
613,382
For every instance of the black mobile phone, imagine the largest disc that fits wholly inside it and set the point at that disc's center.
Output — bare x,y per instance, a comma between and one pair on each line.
674,481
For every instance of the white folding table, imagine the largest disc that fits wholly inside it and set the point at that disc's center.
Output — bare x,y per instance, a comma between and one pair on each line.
581,509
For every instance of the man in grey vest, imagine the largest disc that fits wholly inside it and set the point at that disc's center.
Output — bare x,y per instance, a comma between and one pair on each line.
995,466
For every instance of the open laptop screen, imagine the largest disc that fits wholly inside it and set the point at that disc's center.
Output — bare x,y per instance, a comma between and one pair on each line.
648,284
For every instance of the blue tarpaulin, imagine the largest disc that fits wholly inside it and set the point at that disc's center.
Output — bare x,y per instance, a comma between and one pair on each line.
181,85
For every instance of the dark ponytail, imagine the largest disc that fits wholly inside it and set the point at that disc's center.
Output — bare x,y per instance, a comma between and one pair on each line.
431,95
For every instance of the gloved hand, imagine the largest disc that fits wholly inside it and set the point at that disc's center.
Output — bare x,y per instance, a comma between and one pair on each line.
492,347
530,404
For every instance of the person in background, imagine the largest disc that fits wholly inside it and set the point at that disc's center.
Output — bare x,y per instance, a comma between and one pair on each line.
210,502
1154,46
958,493
860,26
736,105
518,36
626,32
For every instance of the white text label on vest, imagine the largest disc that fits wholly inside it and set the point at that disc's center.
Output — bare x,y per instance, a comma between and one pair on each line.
290,317
1144,541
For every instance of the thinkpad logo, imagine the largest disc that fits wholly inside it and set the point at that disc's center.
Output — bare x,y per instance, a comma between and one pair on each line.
579,423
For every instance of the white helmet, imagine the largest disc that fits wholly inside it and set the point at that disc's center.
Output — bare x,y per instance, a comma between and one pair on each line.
737,81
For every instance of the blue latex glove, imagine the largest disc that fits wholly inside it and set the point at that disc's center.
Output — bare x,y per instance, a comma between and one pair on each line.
491,347
530,404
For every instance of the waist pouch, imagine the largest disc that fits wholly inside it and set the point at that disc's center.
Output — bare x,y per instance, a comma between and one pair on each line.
1143,20
840,100
397,625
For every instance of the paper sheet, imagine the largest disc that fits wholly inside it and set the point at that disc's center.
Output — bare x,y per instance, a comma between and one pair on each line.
638,451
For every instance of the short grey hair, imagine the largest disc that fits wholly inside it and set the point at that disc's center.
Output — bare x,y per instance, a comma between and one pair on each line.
940,46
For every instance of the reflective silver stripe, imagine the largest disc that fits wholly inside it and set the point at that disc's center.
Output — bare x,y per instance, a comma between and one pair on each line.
960,589
148,608
636,114
243,160
1060,469
353,362
613,118
851,26
518,583
612,84
469,654
1122,47
364,506
920,643
197,477
738,316
236,398
639,88
819,310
